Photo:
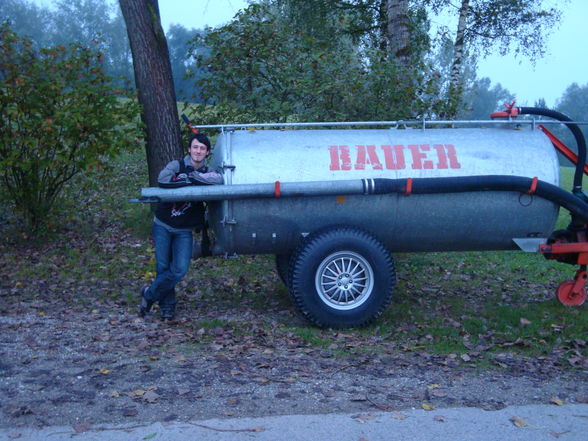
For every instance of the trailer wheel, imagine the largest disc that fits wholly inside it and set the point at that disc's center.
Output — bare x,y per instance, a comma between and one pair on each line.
282,263
341,278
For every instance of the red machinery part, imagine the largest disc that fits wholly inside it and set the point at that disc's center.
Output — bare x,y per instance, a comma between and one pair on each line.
562,148
562,251
570,292
511,111
573,292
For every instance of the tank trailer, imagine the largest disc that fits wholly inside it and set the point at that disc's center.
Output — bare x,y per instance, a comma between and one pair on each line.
333,203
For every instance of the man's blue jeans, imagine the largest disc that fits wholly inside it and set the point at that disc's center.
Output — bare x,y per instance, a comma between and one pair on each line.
173,252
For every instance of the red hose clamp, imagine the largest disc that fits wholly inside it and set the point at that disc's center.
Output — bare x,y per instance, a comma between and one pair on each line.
533,186
277,189
408,190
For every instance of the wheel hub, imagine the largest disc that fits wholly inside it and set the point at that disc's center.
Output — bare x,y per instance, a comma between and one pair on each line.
344,280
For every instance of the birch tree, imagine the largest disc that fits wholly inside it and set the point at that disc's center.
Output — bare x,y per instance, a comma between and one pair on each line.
483,26
455,82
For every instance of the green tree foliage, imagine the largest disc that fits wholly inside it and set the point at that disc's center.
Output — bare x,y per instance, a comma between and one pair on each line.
59,117
96,24
541,103
520,26
30,20
481,100
185,71
573,103
265,63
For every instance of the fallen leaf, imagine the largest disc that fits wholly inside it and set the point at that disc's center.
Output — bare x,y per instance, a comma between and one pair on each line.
363,417
518,422
433,386
558,434
427,406
151,436
18,411
151,397
398,416
130,412
82,427
466,357
556,401
139,392
114,394
104,371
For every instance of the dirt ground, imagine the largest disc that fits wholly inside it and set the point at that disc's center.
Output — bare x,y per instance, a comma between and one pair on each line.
83,367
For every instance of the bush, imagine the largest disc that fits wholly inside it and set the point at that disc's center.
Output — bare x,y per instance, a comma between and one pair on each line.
59,117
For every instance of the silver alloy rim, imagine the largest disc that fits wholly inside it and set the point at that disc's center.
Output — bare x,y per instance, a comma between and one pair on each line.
344,280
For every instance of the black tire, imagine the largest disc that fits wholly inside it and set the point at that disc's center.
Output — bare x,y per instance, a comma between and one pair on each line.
282,265
341,278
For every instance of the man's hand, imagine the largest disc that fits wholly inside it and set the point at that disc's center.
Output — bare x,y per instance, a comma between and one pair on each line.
182,177
208,178
209,175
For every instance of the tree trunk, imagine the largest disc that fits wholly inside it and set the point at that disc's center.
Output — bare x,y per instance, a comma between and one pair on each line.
153,78
456,83
398,30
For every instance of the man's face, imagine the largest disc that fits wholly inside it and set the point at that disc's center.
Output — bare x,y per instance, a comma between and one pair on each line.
197,151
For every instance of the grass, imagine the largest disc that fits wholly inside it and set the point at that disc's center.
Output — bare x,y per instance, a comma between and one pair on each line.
480,303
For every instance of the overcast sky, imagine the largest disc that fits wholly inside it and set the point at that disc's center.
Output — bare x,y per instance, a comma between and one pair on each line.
566,61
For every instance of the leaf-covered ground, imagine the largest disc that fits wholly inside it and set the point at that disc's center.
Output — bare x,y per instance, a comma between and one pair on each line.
473,329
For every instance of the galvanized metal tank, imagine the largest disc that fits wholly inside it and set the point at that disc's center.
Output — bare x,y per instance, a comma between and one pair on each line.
425,222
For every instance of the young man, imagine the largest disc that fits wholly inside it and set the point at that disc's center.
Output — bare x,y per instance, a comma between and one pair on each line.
173,225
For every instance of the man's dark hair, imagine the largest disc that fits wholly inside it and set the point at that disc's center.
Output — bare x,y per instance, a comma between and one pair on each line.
201,137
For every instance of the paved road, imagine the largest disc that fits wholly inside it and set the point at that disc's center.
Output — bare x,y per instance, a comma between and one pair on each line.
525,423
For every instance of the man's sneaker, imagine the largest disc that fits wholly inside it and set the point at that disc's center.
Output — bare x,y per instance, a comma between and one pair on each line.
167,314
144,305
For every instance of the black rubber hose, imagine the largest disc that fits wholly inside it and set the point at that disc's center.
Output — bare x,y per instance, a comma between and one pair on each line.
578,135
464,184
